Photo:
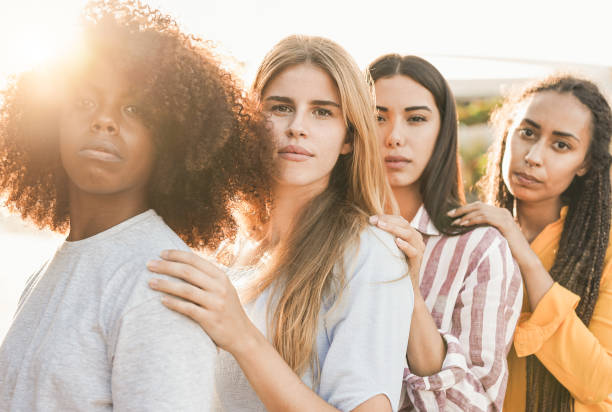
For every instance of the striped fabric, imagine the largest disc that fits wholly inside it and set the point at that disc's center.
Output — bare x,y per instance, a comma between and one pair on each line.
473,288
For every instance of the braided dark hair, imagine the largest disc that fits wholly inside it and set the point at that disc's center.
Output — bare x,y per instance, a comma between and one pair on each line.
584,240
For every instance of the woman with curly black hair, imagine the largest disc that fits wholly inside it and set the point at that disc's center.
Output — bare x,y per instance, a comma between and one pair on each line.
138,138
548,189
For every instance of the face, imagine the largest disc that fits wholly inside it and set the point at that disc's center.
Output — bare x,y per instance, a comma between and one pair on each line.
104,146
408,127
303,107
546,146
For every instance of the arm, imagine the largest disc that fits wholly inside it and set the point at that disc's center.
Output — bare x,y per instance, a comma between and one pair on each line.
579,357
212,302
474,371
426,347
161,361
536,278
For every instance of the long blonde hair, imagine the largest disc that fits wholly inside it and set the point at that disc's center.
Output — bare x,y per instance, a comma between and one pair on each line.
302,269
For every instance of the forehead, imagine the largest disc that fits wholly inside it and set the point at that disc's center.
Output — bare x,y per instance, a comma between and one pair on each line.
402,91
557,111
303,81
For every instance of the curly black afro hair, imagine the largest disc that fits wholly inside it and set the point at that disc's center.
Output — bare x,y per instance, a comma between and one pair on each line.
213,151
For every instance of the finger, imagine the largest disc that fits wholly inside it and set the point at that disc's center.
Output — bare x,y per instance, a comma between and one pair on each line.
183,271
470,219
192,259
182,290
462,210
409,250
195,312
399,227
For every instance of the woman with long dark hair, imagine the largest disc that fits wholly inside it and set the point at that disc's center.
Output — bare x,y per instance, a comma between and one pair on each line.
467,287
548,189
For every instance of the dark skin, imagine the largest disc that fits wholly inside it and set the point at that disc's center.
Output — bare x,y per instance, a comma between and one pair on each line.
107,153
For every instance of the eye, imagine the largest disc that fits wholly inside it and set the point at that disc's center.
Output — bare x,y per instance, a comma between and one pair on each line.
280,108
526,132
560,145
417,119
380,118
320,112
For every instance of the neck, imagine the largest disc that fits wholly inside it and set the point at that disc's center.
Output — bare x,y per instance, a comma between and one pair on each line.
288,203
91,214
409,200
533,217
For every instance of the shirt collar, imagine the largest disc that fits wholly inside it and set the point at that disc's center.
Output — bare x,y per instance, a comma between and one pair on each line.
423,223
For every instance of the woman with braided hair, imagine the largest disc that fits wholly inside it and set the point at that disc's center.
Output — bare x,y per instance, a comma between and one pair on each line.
548,189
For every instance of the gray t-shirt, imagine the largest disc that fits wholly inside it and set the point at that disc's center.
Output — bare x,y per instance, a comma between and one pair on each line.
90,335
361,338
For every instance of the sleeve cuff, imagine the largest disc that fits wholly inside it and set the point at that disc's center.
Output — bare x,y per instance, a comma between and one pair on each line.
453,369
535,328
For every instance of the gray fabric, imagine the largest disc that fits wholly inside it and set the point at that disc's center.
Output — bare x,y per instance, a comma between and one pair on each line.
361,339
90,335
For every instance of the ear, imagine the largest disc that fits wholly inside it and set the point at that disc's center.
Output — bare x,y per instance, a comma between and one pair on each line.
346,148
583,169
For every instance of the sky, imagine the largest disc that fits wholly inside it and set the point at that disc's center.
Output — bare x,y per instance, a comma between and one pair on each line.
507,38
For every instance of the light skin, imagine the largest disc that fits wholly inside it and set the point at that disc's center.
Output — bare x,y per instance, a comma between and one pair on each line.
303,107
106,151
408,127
546,149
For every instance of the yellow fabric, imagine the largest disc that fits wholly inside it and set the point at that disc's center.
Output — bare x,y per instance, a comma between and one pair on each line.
579,357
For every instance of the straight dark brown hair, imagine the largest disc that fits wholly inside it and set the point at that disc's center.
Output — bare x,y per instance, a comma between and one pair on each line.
441,185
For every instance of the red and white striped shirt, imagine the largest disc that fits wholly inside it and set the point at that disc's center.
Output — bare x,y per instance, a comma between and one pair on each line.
473,288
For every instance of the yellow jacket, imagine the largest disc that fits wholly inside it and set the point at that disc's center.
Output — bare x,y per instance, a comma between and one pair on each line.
579,357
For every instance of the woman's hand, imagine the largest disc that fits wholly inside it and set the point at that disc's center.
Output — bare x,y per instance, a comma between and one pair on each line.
408,240
210,299
536,279
479,213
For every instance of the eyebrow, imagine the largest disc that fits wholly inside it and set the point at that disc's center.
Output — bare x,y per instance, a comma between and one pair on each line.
313,102
555,132
406,109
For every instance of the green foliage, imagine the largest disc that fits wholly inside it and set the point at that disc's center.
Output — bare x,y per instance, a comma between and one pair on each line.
473,151
477,110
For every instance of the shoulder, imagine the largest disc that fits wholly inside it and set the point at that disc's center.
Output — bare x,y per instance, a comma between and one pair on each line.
482,242
375,255
126,283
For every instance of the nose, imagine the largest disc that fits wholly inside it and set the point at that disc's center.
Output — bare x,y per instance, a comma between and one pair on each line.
533,157
104,122
296,128
394,138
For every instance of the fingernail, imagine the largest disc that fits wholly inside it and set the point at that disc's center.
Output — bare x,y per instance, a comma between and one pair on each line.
400,241
373,219
465,222
451,212
152,264
153,283
456,222
381,224
164,254
164,300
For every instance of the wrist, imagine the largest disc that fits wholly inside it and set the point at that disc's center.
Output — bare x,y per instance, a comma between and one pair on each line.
249,343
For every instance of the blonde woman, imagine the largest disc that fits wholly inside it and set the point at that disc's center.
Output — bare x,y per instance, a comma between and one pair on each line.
324,321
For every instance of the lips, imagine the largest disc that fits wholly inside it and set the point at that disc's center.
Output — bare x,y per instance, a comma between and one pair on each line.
526,179
295,153
101,150
396,162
